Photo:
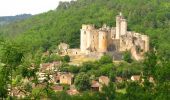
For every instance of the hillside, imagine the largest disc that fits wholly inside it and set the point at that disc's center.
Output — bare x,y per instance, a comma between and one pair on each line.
9,19
32,67
46,30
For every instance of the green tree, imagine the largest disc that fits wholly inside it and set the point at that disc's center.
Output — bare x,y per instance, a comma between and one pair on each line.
109,91
106,59
66,58
82,82
11,55
127,57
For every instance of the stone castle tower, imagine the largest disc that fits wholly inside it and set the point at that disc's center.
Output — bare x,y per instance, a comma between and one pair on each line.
110,39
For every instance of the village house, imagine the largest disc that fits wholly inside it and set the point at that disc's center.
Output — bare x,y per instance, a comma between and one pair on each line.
135,77
103,80
63,48
57,88
66,78
72,92
18,93
47,67
119,79
95,85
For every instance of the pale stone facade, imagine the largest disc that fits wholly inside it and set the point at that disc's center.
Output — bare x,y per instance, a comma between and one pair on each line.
66,78
109,39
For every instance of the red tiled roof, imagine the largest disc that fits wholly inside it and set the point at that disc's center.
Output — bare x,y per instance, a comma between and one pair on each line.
104,79
136,77
119,79
95,83
72,92
57,88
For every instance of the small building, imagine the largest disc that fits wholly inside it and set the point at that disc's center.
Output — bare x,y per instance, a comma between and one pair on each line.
46,67
57,88
95,85
66,78
119,79
72,92
63,48
18,93
103,80
135,77
151,80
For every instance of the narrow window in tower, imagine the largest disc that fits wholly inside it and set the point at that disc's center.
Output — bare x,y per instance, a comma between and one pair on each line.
103,37
84,32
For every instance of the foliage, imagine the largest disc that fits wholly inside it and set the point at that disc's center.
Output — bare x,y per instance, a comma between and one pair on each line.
23,42
105,59
82,82
66,58
109,91
127,57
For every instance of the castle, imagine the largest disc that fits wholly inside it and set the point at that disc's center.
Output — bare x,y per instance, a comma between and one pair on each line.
108,39
112,39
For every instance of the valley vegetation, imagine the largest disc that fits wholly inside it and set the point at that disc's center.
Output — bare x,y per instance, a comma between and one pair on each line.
23,43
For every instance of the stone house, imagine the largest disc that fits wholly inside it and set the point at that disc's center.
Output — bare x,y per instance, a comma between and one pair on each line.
103,80
95,85
66,78
63,48
72,92
57,88
119,79
135,77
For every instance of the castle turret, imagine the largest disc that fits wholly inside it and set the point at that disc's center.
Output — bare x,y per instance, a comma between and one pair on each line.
102,41
83,42
145,38
121,26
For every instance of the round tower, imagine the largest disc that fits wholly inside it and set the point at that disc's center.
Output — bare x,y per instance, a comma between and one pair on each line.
102,41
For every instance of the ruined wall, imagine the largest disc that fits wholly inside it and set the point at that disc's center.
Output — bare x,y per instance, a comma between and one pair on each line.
94,41
145,38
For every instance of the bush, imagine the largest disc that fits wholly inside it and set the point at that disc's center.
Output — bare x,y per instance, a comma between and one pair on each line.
127,57
82,82
66,58
106,59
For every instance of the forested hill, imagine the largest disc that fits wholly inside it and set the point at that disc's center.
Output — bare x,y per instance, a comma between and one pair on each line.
8,19
151,17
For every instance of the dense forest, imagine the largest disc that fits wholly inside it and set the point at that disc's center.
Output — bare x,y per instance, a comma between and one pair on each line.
23,42
9,19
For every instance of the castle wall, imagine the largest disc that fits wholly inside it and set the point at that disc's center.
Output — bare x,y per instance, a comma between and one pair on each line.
123,25
118,18
102,41
146,42
117,39
94,41
83,41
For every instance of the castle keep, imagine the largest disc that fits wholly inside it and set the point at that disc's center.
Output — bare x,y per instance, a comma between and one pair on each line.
110,39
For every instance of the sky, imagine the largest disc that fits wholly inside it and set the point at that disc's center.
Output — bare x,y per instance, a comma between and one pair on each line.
16,7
